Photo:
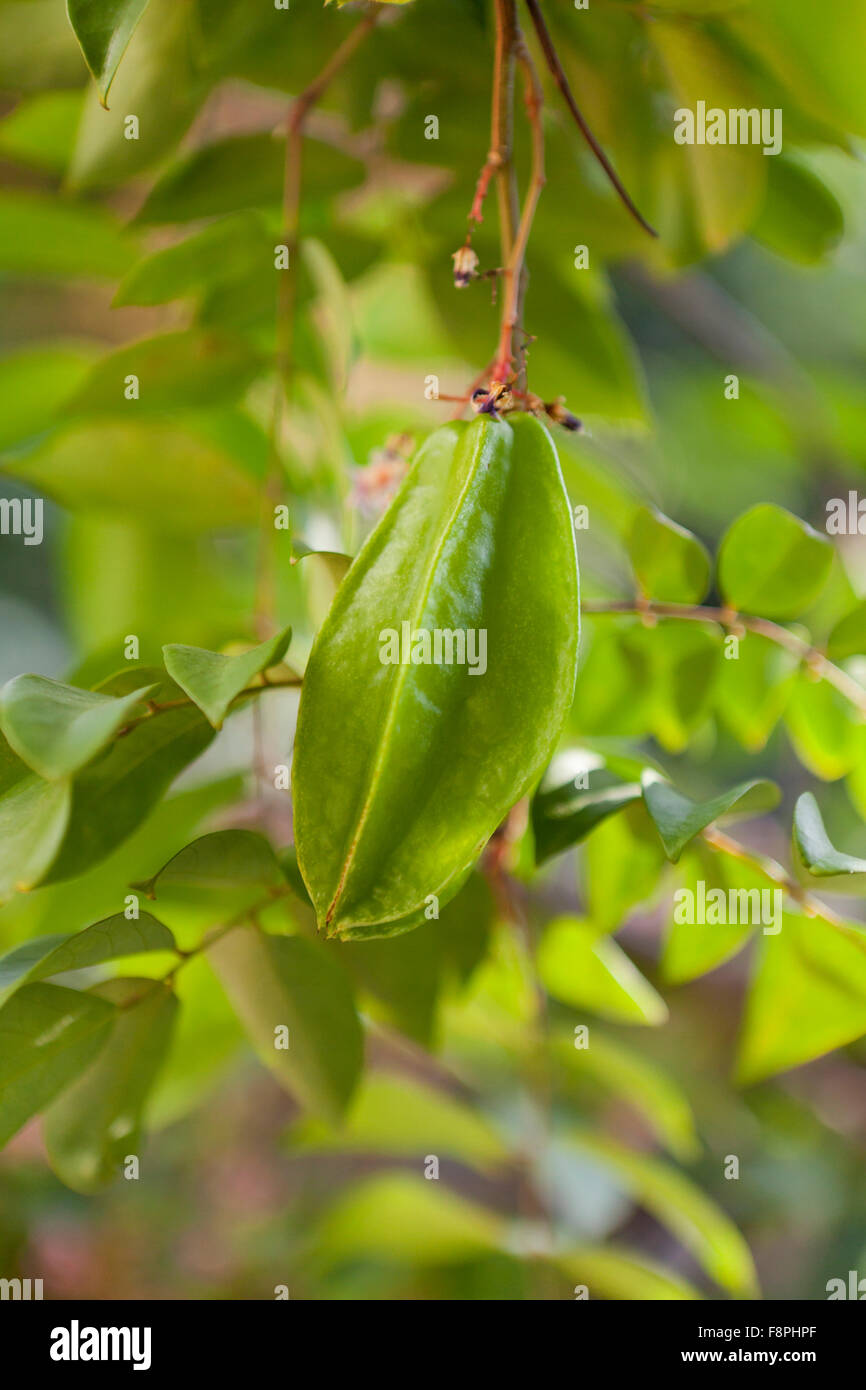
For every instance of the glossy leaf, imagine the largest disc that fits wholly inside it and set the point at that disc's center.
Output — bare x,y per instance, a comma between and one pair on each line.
582,968
772,564
94,1126
57,729
678,819
104,28
670,563
213,680
434,755
277,983
813,843
563,816
110,939
48,1034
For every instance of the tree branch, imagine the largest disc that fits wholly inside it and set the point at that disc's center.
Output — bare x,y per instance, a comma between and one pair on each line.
555,66
813,657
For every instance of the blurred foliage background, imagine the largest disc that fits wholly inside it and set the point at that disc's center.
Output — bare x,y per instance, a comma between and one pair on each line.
155,255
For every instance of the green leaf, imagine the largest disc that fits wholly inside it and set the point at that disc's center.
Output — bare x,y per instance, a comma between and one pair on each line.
34,815
213,681
821,858
41,130
772,564
57,729
95,1125
34,385
399,1116
227,249
671,1197
565,815
692,948
807,996
221,861
399,1217
670,563
612,1273
48,1034
679,819
622,865
104,28
431,756
848,637
194,481
107,940
822,727
752,689
112,796
245,171
47,236
175,371
639,1082
277,983
800,219
162,83
580,967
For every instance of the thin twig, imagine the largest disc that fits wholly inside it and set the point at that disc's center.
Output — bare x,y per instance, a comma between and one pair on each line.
515,268
555,66
772,869
264,620
813,657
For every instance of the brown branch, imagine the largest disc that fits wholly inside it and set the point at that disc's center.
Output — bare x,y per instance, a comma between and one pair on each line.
555,66
772,869
515,269
813,657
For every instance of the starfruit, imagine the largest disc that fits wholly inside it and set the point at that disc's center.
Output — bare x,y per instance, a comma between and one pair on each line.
439,682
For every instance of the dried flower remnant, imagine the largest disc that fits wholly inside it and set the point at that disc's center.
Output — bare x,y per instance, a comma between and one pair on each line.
375,485
465,266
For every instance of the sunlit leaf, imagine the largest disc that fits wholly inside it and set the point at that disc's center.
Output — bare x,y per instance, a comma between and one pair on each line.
213,681
589,971
57,729
678,819
773,564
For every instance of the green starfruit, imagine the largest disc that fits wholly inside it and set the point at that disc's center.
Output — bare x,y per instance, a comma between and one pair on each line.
439,682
